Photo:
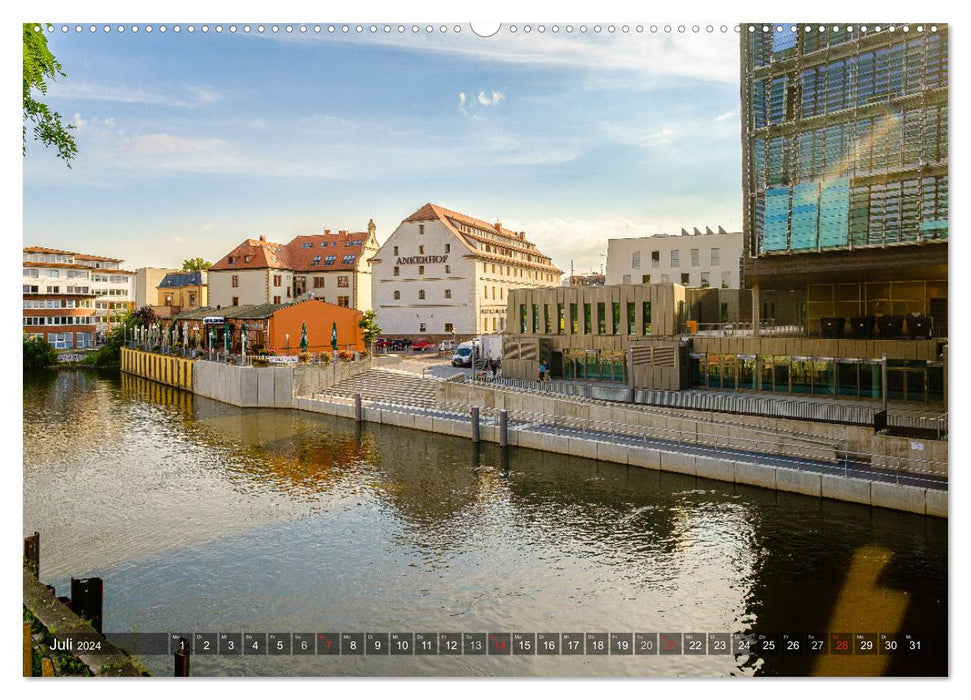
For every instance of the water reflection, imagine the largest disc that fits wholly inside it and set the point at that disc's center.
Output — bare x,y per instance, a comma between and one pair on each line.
201,516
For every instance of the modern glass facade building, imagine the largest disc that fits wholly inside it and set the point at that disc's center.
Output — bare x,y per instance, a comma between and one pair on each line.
845,173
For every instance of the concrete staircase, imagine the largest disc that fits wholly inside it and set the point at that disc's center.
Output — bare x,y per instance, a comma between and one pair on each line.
388,385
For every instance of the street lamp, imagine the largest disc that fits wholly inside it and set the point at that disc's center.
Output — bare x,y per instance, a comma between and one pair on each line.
287,335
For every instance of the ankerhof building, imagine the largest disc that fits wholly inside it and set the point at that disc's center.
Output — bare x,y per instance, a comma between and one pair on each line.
442,274
332,267
70,297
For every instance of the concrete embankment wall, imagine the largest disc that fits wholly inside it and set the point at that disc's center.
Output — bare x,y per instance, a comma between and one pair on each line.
741,431
912,499
252,387
164,369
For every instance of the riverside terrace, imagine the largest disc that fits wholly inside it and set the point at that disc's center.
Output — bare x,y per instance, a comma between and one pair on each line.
638,335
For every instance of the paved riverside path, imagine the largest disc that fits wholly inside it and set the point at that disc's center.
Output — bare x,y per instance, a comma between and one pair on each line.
843,467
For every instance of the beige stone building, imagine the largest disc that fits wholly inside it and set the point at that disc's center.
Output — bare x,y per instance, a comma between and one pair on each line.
333,267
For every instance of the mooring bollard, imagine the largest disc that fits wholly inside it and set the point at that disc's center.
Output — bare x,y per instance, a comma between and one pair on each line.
182,658
87,596
475,424
503,428
358,411
32,553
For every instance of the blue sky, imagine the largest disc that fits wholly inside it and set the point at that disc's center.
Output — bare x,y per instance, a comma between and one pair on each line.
189,143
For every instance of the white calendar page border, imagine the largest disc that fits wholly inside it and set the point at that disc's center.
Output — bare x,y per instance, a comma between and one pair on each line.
493,11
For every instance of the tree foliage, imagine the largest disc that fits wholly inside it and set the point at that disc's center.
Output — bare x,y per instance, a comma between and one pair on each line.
38,353
370,326
145,316
40,65
193,264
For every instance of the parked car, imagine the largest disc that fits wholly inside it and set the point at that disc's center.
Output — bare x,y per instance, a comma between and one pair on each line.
422,345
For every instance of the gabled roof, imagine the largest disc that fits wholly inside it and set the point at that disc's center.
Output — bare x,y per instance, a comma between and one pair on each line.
181,279
253,254
246,312
472,231
302,254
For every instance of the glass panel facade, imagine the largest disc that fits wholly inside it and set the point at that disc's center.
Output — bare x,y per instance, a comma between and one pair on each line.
587,319
646,318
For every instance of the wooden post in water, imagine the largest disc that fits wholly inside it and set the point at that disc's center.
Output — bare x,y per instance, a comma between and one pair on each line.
28,652
182,658
503,428
358,412
32,553
475,424
87,596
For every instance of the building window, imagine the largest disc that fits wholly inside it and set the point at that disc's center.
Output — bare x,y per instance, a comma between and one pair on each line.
288,292
168,300
235,301
319,282
448,269
601,318
522,318
631,318
705,282
277,300
421,250
343,281
635,260
574,319
421,327
396,250
344,301
685,278
587,319
315,262
235,281
560,319
449,328
675,261
547,326
397,295
655,258
421,229
421,269
626,279
715,256
645,279
646,321
535,318
246,258
615,318
396,271
695,257
421,293
192,299
448,293
232,260
448,248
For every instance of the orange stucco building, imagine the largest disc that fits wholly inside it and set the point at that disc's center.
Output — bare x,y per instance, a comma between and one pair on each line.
320,317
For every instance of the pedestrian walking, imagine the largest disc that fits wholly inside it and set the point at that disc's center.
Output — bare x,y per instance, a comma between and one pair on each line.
542,370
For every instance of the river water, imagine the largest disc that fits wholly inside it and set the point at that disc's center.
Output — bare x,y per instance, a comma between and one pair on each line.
203,517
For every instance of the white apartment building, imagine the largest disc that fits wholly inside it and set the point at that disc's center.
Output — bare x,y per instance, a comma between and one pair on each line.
65,272
442,273
332,267
709,259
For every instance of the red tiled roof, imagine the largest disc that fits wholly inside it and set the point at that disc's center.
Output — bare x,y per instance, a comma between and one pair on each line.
513,240
297,255
323,246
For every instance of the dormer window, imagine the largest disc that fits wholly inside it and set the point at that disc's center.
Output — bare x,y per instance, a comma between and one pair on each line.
316,261
348,259
246,258
307,245
330,260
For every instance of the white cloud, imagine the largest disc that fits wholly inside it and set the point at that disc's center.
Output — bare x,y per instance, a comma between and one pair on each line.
177,239
161,144
489,101
713,57
194,96
724,117
634,135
